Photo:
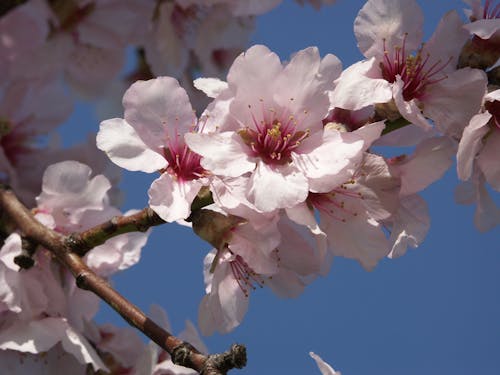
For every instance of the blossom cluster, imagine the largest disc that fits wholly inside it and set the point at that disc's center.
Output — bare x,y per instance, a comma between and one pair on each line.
287,157
286,153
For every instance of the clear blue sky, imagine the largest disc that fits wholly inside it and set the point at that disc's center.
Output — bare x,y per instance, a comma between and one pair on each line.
434,311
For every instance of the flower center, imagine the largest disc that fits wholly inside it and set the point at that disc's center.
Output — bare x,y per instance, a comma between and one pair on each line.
273,141
183,164
413,69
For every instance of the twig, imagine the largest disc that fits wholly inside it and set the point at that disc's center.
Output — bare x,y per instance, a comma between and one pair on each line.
81,243
141,221
182,352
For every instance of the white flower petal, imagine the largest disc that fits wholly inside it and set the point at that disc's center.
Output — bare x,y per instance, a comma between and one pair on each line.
125,148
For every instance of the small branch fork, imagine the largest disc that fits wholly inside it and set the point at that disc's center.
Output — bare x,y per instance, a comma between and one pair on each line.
68,250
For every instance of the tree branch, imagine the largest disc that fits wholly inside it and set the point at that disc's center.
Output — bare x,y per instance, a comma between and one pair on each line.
83,242
182,352
141,221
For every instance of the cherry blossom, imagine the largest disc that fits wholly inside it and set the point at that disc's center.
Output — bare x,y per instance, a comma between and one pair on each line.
272,251
42,306
416,82
150,139
268,123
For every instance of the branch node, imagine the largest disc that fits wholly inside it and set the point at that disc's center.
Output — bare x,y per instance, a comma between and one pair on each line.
75,242
111,225
81,280
235,357
181,355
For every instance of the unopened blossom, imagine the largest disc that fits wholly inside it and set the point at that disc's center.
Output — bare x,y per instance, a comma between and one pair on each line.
41,306
267,125
477,160
417,82
150,138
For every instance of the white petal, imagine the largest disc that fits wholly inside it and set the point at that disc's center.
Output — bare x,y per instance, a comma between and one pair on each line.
484,28
324,367
471,143
212,87
409,109
126,149
489,160
359,86
171,199
223,154
272,188
430,161
389,20
158,109
410,225
462,89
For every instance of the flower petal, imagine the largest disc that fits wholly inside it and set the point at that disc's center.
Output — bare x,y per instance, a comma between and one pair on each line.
126,149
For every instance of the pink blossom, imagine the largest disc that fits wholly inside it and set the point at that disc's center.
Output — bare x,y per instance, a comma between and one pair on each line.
268,125
284,257
42,306
422,81
150,139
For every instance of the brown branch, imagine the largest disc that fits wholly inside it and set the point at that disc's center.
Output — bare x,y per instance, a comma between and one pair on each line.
182,352
141,221
81,243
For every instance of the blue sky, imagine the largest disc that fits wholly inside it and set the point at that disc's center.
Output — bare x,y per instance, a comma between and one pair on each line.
434,311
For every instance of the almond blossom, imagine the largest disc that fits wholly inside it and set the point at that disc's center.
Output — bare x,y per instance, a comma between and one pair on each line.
150,139
417,82
42,306
251,260
267,124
